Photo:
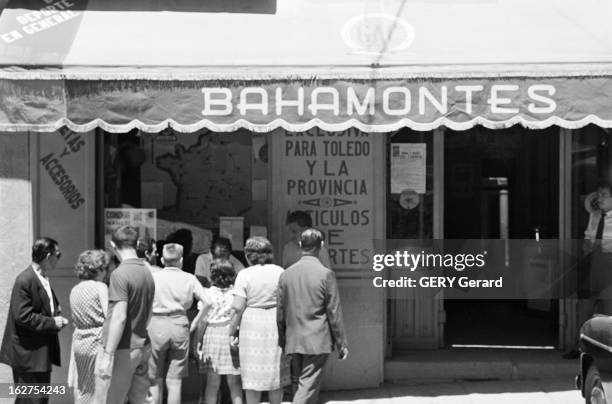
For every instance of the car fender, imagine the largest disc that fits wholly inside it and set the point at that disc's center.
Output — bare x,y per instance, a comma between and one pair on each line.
585,362
602,358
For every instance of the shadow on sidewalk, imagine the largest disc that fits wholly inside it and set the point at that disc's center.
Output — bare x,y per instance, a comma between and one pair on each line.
463,391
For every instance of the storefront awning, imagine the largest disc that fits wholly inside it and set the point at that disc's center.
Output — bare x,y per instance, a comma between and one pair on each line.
377,65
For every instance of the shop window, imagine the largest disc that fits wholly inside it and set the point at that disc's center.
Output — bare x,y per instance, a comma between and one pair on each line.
190,181
591,164
590,230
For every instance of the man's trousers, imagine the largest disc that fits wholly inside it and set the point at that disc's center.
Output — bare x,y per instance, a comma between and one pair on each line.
306,377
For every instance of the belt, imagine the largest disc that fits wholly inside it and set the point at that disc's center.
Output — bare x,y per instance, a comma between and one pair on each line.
171,314
262,308
220,324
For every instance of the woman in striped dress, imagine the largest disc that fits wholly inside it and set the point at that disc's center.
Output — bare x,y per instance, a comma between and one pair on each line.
88,303
263,367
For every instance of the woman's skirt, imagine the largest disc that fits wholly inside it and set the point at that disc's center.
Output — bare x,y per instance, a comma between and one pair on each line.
263,365
217,355
85,347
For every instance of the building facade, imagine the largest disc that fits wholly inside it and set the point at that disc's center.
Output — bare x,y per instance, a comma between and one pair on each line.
381,126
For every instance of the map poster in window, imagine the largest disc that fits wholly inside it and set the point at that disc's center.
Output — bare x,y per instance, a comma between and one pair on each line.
145,220
152,194
232,227
408,167
204,176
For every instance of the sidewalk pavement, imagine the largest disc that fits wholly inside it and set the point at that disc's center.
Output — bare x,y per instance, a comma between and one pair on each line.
542,391
547,391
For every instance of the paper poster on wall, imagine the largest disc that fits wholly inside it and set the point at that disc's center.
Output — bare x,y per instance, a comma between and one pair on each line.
145,220
408,167
258,231
232,227
331,177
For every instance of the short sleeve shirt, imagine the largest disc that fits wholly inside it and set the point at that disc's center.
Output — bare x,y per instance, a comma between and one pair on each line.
221,305
258,284
133,283
174,291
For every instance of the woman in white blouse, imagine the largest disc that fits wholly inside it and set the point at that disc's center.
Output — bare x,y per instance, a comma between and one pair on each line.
263,366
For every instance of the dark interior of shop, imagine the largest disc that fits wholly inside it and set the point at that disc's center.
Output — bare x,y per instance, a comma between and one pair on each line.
502,184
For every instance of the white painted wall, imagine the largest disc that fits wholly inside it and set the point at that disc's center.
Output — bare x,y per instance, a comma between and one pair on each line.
15,220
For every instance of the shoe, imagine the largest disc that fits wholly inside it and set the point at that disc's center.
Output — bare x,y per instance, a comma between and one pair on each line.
573,354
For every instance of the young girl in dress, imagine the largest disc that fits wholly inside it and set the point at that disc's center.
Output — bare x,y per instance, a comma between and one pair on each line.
216,357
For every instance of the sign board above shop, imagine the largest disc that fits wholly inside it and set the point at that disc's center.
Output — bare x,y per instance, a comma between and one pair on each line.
332,105
375,65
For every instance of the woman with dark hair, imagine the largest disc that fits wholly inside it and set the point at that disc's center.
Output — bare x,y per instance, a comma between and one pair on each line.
262,363
88,303
221,248
216,357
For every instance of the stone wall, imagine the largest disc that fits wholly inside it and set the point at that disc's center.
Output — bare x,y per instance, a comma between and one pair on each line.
16,229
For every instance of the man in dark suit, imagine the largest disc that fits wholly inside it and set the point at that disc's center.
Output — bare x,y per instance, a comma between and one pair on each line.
309,318
31,344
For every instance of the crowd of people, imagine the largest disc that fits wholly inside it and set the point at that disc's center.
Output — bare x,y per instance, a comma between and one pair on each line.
262,328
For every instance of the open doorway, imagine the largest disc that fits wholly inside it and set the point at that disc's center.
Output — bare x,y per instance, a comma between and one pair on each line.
501,184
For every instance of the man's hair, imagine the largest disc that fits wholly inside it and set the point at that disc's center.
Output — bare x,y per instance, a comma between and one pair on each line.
605,184
222,274
311,240
258,251
43,247
91,262
172,253
144,247
126,237
300,217
222,242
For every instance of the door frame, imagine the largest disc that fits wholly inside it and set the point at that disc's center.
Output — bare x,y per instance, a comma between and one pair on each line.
438,222
425,303
567,307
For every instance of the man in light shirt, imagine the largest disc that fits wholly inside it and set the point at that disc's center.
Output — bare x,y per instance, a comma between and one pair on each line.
598,241
297,222
31,344
596,282
598,232
169,326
